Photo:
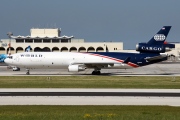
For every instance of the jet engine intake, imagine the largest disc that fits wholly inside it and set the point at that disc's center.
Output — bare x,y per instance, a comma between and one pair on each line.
76,68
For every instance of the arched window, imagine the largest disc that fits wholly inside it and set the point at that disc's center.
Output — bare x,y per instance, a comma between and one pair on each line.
90,49
99,49
82,49
55,49
37,49
2,50
19,49
73,49
64,49
46,49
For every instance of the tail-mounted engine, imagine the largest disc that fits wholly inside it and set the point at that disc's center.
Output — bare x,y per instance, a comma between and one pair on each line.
158,48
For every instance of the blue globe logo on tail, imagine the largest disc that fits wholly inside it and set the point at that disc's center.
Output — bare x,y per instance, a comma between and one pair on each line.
159,37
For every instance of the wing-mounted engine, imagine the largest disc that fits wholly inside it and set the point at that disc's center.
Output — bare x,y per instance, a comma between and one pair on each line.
76,68
158,48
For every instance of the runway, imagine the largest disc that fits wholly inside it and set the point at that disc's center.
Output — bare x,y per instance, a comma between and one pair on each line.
167,69
169,97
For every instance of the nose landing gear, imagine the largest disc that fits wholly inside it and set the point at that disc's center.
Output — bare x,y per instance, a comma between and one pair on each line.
27,72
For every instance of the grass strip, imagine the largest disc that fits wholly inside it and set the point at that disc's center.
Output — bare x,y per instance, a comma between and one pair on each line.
164,82
89,113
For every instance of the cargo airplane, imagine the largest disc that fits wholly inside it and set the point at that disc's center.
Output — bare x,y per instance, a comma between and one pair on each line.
148,53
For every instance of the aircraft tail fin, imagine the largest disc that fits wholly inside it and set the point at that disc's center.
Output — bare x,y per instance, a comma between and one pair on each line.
157,43
160,36
28,49
2,57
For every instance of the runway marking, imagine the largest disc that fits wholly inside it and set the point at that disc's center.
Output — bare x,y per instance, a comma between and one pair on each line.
139,94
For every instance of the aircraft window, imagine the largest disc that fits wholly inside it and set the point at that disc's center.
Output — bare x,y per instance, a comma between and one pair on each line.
36,55
40,55
32,55
10,57
22,55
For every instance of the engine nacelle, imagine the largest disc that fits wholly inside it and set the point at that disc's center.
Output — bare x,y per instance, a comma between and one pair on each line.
76,68
144,47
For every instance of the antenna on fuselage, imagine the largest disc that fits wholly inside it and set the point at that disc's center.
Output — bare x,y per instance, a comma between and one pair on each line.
9,34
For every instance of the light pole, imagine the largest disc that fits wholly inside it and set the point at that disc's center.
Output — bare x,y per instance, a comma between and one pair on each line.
9,34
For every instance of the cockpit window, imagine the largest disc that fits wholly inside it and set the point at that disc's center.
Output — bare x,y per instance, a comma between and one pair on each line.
10,57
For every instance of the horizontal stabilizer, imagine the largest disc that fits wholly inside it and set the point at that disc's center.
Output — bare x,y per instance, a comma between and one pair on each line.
169,45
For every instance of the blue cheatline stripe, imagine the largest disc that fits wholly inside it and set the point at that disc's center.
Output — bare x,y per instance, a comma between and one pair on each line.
115,59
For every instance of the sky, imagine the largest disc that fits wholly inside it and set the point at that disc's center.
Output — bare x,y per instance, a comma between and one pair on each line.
127,21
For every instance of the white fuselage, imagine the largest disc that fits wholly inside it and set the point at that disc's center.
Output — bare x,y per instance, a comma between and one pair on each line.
60,60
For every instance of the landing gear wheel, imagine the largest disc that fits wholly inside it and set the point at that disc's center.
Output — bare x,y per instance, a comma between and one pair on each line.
27,73
96,72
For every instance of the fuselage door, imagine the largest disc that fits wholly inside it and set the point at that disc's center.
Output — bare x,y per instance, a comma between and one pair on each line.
17,58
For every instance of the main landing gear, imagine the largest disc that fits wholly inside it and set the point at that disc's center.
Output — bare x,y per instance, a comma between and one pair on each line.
96,72
27,72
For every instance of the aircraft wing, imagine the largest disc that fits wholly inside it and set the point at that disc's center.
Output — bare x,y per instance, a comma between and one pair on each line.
95,64
156,57
102,64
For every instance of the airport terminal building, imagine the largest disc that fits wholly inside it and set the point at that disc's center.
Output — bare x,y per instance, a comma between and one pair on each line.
51,40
